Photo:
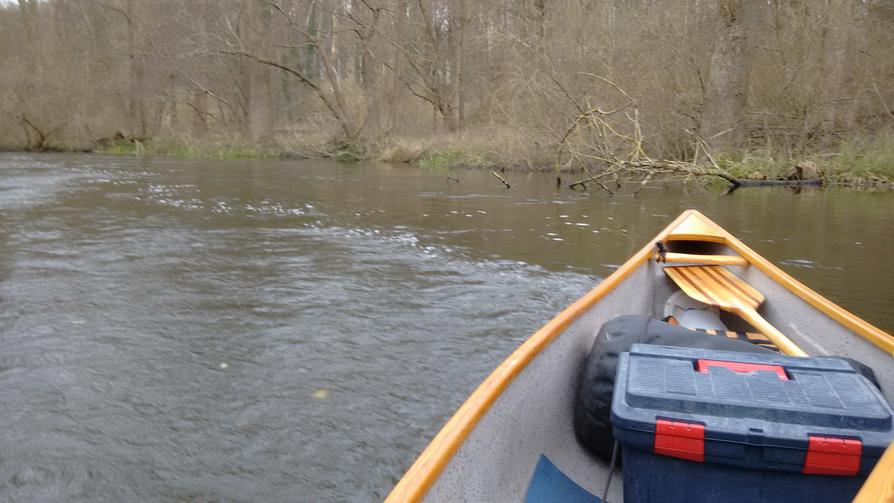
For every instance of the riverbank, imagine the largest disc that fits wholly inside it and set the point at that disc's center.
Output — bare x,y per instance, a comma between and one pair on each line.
865,162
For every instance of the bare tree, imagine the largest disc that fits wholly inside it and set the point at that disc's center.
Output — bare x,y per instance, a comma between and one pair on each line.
781,75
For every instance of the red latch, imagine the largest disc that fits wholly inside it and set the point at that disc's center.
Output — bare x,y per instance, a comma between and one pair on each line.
680,439
703,366
832,455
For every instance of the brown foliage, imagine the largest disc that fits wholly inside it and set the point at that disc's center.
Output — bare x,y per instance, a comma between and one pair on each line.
779,75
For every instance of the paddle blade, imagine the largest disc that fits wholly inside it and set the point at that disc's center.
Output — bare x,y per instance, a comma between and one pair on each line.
716,286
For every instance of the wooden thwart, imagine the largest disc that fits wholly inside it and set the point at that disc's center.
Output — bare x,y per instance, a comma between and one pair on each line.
715,286
688,258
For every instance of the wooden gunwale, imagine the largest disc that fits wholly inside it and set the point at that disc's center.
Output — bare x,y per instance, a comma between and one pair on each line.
879,486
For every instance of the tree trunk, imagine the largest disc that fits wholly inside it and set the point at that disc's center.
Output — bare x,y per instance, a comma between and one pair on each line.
243,77
722,122
367,18
447,72
25,93
200,117
460,65
260,87
136,90
99,59
33,54
169,119
837,38
328,59
397,61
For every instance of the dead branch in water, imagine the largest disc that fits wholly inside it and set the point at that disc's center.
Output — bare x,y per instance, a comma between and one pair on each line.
583,184
500,178
591,179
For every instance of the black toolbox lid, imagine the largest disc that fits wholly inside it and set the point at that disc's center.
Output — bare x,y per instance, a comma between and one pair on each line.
749,398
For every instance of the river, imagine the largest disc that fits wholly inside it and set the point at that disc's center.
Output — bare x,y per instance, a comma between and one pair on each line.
204,330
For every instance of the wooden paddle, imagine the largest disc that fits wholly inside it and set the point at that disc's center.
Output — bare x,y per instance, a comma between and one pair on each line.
715,286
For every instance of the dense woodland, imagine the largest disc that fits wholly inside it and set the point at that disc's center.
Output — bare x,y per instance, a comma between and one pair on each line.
516,79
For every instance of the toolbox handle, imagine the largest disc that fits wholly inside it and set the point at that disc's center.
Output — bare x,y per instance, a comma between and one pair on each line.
703,366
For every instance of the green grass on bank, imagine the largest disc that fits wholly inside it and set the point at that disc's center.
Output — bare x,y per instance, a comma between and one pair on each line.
755,165
452,158
861,161
181,149
441,160
864,161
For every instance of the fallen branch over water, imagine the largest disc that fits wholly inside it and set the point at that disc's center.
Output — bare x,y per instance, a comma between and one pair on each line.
645,169
612,139
816,182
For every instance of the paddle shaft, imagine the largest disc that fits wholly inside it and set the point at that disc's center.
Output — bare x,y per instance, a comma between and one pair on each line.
778,338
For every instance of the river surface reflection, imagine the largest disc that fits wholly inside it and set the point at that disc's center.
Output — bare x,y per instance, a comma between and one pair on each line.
202,330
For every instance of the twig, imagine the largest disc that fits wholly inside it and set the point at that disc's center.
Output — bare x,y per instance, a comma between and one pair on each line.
500,178
642,184
615,139
583,183
882,100
594,179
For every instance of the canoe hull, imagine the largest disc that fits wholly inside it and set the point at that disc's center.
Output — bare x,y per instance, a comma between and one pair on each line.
522,413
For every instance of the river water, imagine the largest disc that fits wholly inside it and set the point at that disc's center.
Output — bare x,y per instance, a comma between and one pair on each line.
179,330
